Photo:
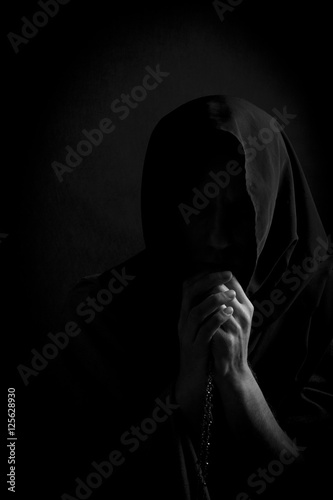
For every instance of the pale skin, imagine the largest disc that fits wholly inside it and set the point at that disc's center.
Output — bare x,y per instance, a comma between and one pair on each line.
204,327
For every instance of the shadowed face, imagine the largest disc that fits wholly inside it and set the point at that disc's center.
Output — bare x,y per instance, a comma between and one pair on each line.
221,237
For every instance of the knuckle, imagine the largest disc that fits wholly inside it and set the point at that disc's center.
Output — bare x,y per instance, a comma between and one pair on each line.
229,340
223,288
250,307
248,316
233,343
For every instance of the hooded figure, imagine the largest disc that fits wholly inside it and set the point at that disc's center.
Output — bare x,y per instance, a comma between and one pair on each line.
222,192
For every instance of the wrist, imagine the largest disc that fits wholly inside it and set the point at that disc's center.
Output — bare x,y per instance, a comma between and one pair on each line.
232,382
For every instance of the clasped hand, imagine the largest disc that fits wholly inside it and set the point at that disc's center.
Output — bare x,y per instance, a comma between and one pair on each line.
215,318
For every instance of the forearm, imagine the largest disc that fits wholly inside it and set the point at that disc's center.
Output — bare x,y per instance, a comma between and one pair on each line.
250,418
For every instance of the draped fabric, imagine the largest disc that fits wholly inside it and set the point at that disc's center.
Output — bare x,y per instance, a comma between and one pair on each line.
125,360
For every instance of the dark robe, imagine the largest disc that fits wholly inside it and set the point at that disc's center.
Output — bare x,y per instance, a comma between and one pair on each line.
120,370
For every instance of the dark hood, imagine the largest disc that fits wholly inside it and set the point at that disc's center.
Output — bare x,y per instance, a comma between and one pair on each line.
287,224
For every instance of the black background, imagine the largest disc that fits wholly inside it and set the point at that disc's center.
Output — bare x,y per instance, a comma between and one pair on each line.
273,54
